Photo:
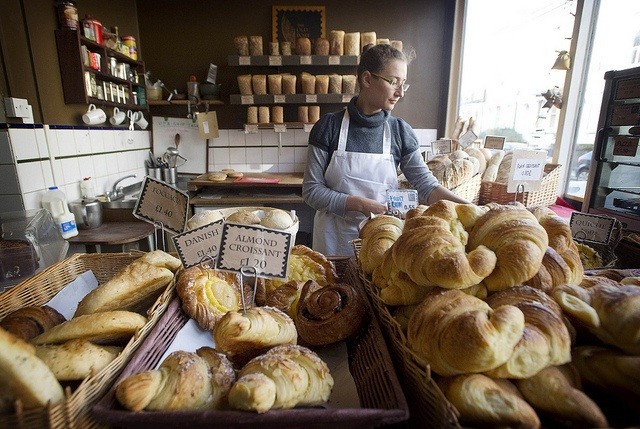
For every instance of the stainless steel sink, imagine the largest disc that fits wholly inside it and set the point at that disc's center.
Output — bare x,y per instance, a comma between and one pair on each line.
125,203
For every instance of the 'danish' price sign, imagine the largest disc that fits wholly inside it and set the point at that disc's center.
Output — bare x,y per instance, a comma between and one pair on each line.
400,201
594,228
246,246
161,203
441,147
527,168
194,245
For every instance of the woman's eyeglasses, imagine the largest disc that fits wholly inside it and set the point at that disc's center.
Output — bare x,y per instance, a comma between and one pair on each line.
394,82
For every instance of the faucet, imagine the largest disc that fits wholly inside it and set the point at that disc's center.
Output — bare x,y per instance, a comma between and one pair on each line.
116,192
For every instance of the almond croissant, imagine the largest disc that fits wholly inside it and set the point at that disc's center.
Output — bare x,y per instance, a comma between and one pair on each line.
284,377
184,381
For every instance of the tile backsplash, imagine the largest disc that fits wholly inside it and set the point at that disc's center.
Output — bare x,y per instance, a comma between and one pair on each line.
34,157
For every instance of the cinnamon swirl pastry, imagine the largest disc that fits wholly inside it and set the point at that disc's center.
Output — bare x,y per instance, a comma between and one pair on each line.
330,314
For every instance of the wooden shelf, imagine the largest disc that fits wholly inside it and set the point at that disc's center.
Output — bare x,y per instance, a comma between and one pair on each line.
184,102
293,60
290,99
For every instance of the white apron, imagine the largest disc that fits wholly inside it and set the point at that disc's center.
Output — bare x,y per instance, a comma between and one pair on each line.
354,173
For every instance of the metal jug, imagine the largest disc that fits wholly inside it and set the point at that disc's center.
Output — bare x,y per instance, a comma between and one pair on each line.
88,214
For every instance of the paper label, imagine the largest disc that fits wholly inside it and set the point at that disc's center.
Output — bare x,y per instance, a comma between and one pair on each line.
467,139
440,147
162,204
244,60
334,60
246,99
311,98
305,59
594,228
208,125
267,250
400,201
494,142
275,60
251,129
198,245
625,146
279,98
527,167
280,128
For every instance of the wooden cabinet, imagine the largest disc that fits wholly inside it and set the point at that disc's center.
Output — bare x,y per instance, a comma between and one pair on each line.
93,73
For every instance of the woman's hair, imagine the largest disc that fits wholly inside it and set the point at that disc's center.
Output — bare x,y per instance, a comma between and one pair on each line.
375,57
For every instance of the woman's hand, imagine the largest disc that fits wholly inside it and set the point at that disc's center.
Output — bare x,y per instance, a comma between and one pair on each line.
365,205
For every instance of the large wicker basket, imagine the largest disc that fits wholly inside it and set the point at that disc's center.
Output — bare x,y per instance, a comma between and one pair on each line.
38,290
381,396
494,192
470,190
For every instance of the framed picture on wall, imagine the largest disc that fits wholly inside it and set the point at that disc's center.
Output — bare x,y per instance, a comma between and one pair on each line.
291,22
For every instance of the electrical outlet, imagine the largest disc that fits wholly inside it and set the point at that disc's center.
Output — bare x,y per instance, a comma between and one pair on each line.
16,107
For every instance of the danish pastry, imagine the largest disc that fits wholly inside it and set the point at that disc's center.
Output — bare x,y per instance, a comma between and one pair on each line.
306,264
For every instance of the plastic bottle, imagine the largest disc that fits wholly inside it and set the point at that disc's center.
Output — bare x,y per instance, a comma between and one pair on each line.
50,198
66,221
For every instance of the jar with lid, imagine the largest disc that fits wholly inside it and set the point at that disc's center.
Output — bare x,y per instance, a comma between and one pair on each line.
67,14
130,42
92,28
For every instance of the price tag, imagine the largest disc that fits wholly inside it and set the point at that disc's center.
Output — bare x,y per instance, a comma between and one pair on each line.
275,60
526,169
628,88
307,127
440,147
334,60
494,142
346,98
279,98
305,59
594,228
194,245
251,128
280,128
625,114
265,249
625,146
161,203
311,98
400,201
467,139
246,99
244,60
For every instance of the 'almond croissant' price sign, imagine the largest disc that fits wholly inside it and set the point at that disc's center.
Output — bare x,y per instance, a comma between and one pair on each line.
161,203
199,243
527,168
246,246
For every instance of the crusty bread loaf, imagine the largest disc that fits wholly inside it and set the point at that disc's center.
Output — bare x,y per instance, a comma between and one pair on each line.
24,376
477,154
205,217
76,359
486,402
502,176
554,392
184,381
31,321
107,327
493,164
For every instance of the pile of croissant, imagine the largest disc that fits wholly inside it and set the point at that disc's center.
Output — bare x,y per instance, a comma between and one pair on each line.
495,300
262,358
42,350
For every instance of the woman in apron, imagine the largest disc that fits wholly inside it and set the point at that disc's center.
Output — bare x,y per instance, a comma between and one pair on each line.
354,155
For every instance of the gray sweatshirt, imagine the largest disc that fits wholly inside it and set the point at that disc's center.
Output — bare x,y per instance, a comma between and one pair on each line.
365,135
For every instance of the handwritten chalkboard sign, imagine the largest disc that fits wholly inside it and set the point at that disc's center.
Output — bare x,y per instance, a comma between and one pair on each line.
291,22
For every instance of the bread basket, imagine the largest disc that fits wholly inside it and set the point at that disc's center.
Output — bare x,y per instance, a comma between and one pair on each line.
495,192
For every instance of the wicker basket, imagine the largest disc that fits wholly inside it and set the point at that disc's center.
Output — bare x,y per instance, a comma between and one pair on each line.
428,406
381,396
38,290
494,192
470,190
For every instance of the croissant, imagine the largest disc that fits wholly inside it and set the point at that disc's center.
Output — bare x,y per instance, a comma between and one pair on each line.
31,321
396,287
561,240
483,401
242,335
377,235
431,249
284,377
556,393
329,314
518,240
609,310
611,371
457,333
553,272
207,294
545,341
184,381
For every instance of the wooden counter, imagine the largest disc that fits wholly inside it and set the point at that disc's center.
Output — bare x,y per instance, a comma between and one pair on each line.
113,233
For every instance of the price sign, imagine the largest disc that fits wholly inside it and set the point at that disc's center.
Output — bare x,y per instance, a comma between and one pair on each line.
346,98
275,60
590,227
440,147
494,142
311,98
246,99
246,246
625,146
467,139
194,245
244,60
527,167
400,201
250,128
279,98
161,203
334,60
280,128
305,59
625,114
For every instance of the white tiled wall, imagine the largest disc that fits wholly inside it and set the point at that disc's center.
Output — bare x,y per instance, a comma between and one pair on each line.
48,156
